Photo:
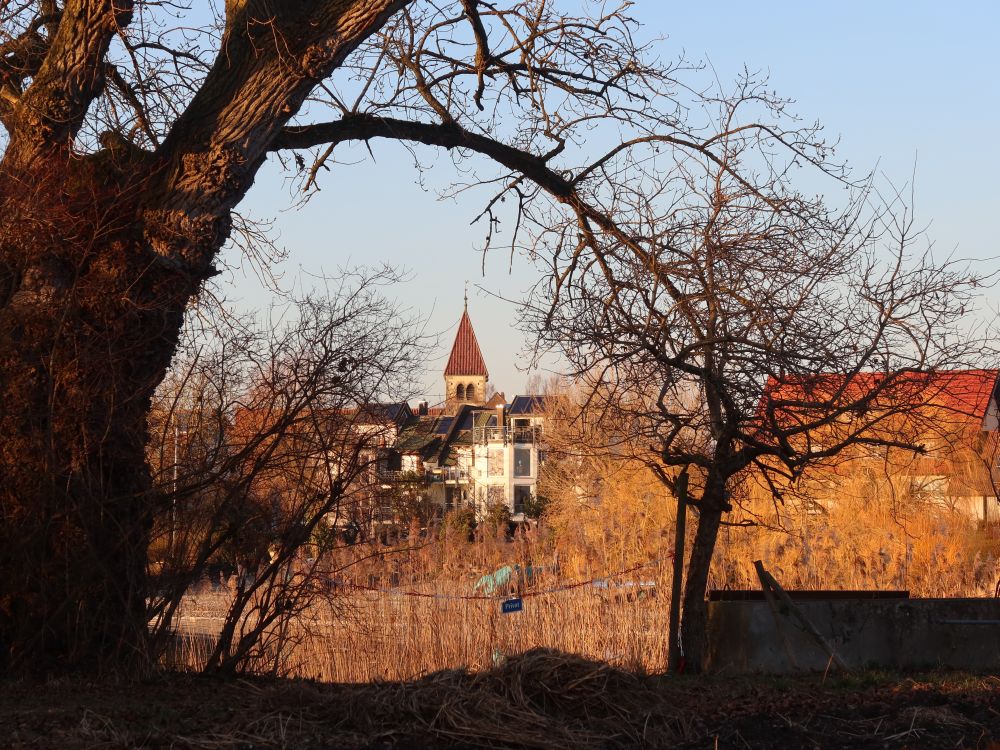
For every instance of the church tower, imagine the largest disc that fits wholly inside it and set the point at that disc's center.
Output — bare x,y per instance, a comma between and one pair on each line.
465,375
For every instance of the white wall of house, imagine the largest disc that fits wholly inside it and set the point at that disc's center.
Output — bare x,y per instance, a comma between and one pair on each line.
506,470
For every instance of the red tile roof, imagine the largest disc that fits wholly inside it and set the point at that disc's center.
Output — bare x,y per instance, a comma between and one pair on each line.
962,393
466,358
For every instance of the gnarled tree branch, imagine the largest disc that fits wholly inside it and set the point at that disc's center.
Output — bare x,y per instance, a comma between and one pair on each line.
51,111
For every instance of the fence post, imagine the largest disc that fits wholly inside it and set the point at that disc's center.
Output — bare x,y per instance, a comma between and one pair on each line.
674,654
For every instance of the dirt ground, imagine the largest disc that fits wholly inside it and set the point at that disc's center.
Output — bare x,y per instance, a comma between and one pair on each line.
542,699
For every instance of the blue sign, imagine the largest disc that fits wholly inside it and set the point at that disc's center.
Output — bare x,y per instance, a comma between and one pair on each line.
511,605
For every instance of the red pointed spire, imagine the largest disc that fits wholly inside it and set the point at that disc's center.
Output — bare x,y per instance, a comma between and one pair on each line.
466,358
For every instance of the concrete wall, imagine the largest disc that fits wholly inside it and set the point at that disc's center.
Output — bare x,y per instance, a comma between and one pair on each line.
887,633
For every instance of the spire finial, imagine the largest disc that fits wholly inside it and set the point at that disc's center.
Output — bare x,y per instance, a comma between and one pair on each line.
466,296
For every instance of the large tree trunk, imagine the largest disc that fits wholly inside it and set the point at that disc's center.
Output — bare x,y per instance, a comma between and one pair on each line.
87,329
99,255
694,635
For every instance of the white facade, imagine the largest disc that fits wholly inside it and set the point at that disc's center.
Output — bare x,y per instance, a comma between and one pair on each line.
479,457
506,461
478,452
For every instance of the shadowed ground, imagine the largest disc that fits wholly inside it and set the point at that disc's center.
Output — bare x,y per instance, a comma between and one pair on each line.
542,699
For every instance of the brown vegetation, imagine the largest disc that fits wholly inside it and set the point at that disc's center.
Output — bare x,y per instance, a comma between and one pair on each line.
542,699
422,614
262,452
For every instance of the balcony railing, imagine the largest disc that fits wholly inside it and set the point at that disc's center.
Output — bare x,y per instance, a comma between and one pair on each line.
451,474
507,434
448,474
395,476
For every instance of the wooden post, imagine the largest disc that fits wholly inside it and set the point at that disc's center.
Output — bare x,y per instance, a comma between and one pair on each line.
674,654
772,603
767,579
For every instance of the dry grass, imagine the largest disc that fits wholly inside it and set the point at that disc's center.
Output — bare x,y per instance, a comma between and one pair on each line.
541,699
364,636
862,533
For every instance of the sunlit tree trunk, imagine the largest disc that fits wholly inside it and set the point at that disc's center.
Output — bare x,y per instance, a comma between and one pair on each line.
87,330
694,635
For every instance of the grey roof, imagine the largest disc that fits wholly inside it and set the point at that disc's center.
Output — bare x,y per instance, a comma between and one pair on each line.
392,412
527,405
420,435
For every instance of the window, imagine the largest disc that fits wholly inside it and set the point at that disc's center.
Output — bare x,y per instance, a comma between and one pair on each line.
460,392
470,392
384,510
522,493
495,463
522,462
495,495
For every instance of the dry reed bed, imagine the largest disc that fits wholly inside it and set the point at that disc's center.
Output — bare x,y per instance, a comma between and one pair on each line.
365,636
859,543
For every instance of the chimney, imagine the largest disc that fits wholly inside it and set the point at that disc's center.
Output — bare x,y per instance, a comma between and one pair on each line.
421,408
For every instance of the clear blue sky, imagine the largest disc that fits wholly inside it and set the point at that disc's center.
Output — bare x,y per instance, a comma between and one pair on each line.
899,83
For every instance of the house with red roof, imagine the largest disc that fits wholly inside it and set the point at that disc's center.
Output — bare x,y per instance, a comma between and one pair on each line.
950,417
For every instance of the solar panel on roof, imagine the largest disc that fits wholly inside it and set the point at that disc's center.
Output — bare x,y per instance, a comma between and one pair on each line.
525,404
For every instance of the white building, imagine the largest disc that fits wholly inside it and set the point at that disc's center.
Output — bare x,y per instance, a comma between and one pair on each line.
475,450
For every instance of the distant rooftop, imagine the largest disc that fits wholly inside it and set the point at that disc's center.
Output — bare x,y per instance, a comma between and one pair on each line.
527,405
466,357
381,412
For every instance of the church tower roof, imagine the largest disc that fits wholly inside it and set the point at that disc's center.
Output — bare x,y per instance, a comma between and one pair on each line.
466,358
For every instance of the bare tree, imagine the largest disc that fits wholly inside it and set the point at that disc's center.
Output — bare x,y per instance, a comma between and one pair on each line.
734,324
132,134
261,451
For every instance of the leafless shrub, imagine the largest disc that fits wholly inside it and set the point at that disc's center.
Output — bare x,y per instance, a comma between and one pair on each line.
262,452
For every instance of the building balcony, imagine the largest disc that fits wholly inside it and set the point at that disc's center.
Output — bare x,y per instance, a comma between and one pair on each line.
426,476
395,476
523,435
451,474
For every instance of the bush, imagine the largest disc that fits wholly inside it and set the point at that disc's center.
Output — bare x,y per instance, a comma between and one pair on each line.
535,506
497,518
461,522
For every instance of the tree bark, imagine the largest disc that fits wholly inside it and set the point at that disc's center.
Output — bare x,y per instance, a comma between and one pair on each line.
694,635
87,329
99,256
680,532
